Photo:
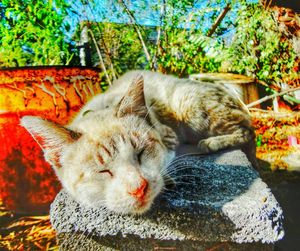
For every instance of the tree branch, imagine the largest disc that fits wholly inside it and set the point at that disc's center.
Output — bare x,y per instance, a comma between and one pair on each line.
107,54
272,96
103,42
159,31
218,20
100,57
137,29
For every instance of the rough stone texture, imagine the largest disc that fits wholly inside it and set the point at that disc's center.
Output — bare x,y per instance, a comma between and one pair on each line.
219,198
78,242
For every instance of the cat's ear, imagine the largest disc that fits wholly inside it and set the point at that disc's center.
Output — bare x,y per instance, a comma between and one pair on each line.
133,101
50,136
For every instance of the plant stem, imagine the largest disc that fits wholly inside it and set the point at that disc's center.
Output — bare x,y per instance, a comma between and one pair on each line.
138,31
103,42
100,56
159,31
272,96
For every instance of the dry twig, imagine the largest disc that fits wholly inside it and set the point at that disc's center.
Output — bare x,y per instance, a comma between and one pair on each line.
138,30
100,56
272,96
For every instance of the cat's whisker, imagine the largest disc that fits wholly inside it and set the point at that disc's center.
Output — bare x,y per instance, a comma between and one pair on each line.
174,182
175,160
168,191
168,172
164,191
175,188
149,129
174,163
176,176
179,182
167,179
80,238
179,158
148,112
175,170
85,237
185,175
181,178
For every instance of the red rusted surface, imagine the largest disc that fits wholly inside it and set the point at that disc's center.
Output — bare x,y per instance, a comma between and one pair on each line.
27,182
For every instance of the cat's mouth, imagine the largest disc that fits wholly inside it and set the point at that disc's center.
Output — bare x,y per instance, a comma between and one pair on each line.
144,204
135,201
141,207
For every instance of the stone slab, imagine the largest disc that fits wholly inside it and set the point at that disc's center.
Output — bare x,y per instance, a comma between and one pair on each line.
218,198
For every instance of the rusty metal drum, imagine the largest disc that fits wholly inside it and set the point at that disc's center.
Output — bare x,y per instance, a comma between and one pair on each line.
27,182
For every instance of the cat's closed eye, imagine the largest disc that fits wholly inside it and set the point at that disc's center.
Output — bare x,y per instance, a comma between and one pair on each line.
139,155
106,171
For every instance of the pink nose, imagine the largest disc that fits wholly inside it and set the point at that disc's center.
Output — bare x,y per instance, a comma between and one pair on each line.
140,192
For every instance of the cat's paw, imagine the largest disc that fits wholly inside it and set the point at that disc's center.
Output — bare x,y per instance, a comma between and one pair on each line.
169,137
208,145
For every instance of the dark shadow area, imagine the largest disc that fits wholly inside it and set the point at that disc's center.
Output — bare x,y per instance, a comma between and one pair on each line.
286,188
133,243
292,4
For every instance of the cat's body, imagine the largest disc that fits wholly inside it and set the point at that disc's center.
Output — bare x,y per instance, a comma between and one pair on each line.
194,110
116,150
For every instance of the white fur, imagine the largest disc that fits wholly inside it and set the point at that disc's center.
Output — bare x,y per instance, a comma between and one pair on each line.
105,120
79,171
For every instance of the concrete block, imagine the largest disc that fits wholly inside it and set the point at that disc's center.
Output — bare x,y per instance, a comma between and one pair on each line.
219,200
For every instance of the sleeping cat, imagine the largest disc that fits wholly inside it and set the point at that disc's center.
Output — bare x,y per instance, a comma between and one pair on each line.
116,150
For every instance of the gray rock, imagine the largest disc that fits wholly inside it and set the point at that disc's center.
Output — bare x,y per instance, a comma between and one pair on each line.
219,198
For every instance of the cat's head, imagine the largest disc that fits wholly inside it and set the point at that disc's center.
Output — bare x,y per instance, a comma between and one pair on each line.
113,157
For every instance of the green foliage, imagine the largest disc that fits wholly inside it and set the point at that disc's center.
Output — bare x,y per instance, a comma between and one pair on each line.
258,48
120,46
178,45
32,33
183,54
182,47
